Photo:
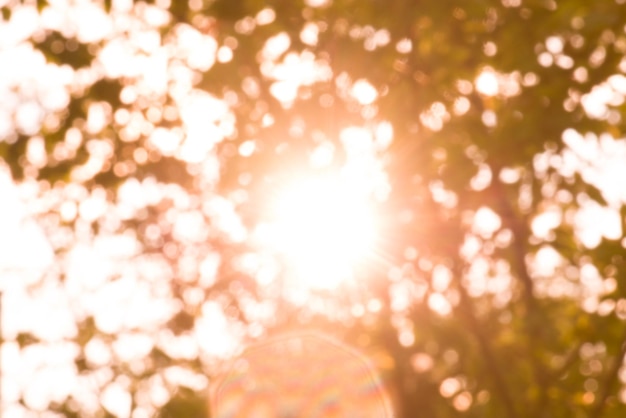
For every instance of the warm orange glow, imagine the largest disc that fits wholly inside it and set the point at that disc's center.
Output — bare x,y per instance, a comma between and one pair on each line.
325,227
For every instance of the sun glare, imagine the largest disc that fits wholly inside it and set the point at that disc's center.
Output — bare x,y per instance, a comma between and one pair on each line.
324,227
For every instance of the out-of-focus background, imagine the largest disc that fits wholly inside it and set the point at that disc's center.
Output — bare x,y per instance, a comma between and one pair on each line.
439,185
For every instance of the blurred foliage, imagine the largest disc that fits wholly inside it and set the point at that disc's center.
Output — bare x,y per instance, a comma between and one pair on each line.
524,349
185,404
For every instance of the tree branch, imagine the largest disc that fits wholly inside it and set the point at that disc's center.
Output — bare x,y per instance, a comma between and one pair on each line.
611,378
519,227
499,383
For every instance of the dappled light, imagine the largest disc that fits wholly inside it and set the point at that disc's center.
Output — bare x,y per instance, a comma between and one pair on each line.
315,209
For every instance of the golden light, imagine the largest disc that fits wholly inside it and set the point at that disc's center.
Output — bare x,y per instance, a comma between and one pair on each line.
487,83
325,227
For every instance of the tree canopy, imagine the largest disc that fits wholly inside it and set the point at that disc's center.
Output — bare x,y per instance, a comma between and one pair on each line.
483,142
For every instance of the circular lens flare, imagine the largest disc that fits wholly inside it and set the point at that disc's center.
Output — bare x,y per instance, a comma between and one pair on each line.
301,375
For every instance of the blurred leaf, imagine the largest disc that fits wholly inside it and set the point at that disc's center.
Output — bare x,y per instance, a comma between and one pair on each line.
65,51
186,404
181,322
25,339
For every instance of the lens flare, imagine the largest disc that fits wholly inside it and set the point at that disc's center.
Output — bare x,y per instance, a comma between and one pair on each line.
301,375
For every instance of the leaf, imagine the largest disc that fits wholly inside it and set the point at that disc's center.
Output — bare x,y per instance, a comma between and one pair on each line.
185,404
595,194
61,50
25,339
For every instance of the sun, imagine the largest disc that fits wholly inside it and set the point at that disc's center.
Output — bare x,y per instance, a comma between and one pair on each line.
324,227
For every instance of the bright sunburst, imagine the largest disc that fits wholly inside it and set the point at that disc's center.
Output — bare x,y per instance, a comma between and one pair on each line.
325,227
